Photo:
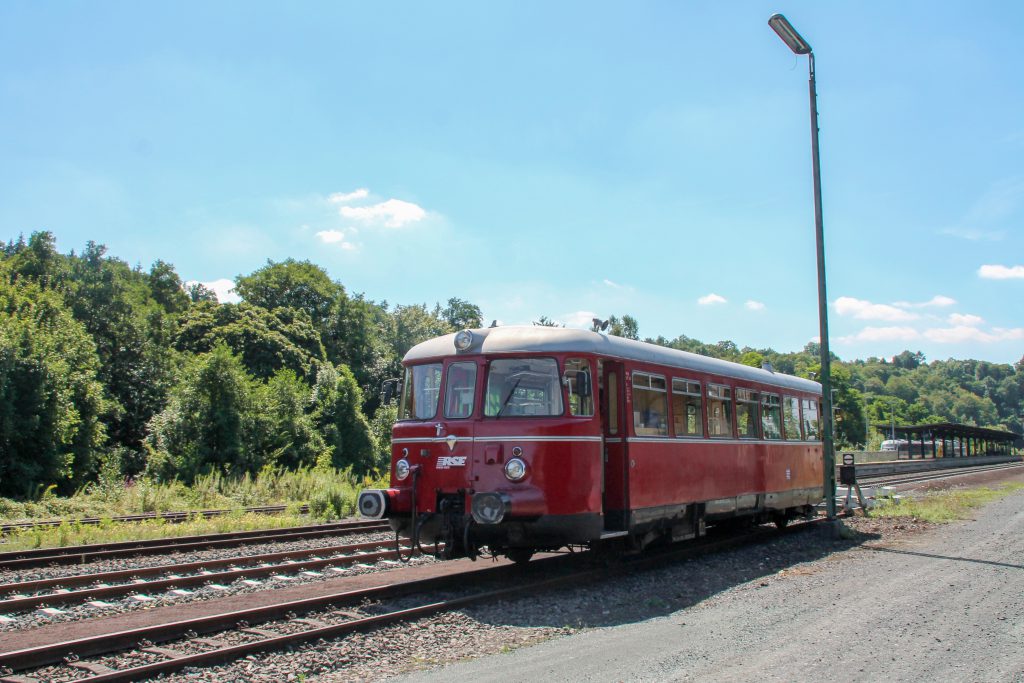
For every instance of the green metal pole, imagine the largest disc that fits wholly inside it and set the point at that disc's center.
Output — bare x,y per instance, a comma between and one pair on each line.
828,443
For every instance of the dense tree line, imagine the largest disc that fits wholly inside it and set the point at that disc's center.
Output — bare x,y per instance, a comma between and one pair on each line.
906,389
104,365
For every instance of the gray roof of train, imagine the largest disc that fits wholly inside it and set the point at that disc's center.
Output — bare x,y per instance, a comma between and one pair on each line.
562,340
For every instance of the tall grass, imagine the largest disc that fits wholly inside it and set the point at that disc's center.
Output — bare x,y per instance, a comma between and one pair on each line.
944,506
330,491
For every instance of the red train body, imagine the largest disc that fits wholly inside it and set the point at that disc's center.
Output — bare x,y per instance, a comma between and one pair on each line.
521,439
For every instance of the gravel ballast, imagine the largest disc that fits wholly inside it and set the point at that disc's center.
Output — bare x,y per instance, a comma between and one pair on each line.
114,605
902,600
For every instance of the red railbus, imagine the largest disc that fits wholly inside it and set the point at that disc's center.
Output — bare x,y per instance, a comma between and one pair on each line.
517,439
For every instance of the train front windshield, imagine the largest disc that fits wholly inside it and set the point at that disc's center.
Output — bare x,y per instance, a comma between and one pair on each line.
420,392
523,387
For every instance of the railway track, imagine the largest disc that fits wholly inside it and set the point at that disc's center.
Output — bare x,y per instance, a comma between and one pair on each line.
172,517
163,648
27,595
82,554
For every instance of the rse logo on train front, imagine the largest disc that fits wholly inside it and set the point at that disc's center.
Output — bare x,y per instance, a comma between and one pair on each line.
448,461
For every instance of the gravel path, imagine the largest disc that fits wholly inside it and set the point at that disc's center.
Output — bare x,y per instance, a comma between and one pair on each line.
947,605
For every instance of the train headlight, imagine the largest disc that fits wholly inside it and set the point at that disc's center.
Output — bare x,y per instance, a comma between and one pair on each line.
515,469
463,340
401,469
490,508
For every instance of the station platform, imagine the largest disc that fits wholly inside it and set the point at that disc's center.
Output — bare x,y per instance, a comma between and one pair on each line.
883,467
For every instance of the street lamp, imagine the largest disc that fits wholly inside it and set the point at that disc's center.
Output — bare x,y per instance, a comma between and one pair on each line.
799,46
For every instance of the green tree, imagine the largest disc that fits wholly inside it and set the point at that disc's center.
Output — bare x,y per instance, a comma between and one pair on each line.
50,398
282,430
267,341
462,315
298,285
337,412
752,358
130,330
380,427
203,428
197,291
411,325
626,327
356,334
166,288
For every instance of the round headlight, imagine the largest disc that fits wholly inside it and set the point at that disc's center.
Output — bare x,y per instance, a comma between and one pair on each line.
401,469
515,469
463,340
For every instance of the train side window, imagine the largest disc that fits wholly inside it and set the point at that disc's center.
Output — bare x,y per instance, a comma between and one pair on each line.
748,413
650,405
580,385
686,412
719,411
771,416
791,418
812,428
459,390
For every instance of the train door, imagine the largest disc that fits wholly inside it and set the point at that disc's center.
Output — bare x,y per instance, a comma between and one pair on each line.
615,496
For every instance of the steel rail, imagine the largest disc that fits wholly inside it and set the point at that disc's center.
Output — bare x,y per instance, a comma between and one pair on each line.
359,554
162,569
173,517
113,642
540,569
163,546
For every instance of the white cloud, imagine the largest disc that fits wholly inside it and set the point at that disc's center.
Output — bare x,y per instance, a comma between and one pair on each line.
875,334
223,288
752,305
580,319
959,334
940,301
996,272
335,237
711,300
865,310
965,319
342,197
613,285
393,213
975,235
937,301
331,236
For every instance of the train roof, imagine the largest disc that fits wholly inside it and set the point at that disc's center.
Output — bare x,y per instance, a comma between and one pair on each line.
540,339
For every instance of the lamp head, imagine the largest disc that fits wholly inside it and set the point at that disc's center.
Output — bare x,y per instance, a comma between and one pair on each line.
789,35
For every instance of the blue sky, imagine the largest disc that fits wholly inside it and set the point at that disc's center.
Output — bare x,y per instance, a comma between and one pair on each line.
573,159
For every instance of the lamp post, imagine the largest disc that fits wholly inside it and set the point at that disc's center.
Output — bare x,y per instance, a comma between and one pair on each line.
799,46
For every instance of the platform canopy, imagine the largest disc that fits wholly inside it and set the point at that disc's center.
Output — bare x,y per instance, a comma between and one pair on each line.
969,440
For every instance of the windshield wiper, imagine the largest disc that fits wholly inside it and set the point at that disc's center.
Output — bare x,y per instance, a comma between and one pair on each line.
509,397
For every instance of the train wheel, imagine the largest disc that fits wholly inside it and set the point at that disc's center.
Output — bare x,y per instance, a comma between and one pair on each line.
520,555
781,521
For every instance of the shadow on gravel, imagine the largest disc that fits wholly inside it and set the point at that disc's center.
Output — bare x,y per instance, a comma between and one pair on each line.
945,557
645,594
